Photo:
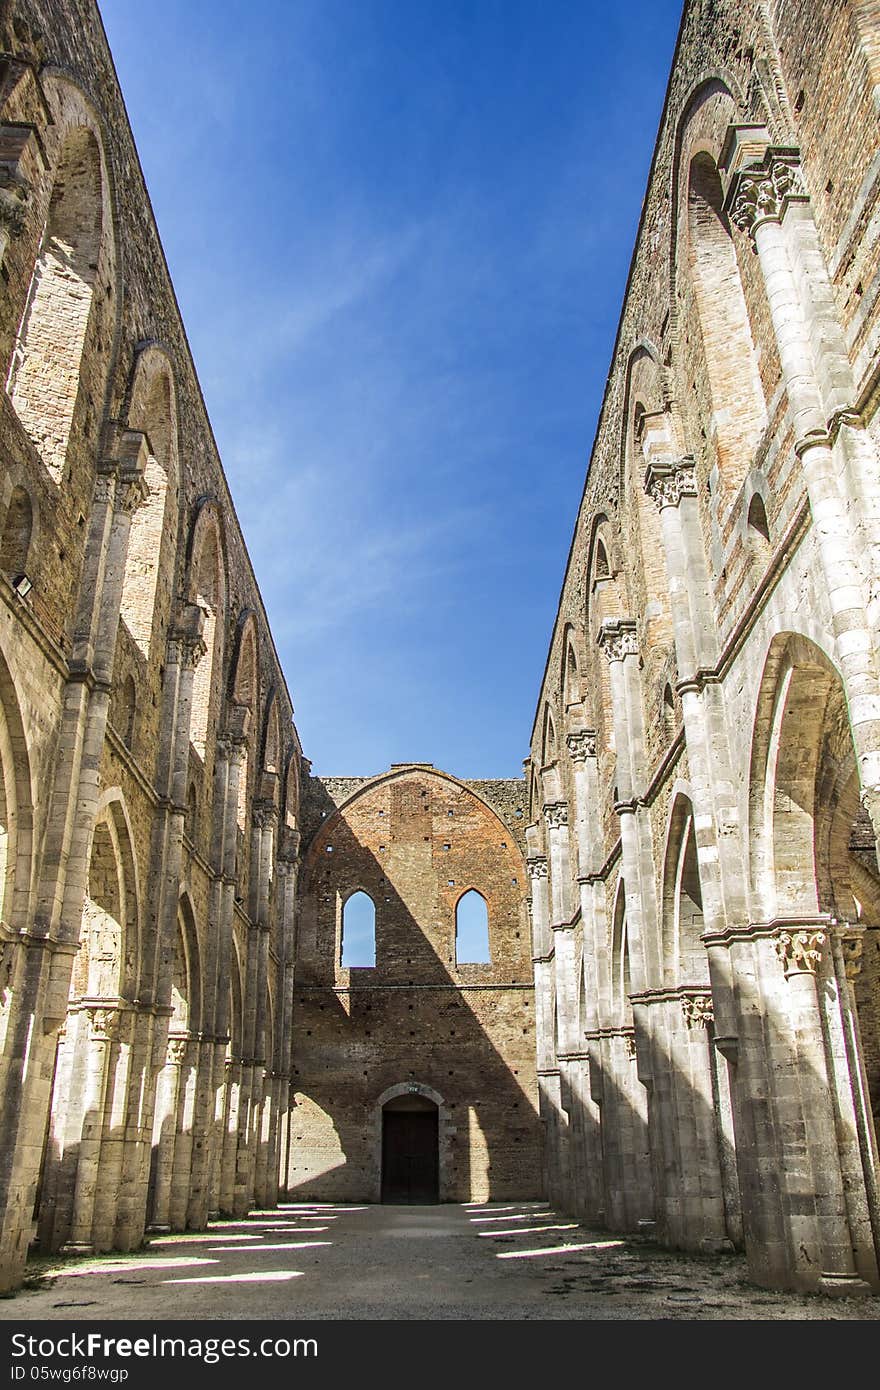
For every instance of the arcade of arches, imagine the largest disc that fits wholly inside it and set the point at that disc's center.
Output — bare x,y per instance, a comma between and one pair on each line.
644,979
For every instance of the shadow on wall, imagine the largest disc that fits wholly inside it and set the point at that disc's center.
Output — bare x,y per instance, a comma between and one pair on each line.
416,1024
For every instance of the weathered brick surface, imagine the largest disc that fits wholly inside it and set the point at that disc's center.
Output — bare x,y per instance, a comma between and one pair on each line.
415,840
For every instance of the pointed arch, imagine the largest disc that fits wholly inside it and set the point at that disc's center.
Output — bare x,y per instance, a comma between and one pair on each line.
472,929
152,413
17,536
76,253
648,438
244,689
685,961
206,585
621,974
186,989
358,934
270,759
291,788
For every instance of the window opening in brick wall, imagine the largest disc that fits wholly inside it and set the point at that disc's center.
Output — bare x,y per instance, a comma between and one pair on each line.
472,929
358,931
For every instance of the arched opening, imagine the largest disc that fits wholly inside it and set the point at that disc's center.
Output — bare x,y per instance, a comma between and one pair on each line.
648,440
472,929
758,536
685,959
358,947
153,412
191,825
814,848
210,595
15,542
621,982
88,1088
44,372
128,712
667,712
739,413
757,518
410,1150
601,567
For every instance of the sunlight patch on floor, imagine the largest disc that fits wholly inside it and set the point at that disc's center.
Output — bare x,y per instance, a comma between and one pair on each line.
558,1250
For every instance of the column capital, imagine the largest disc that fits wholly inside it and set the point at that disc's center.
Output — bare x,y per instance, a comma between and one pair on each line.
581,744
264,815
761,192
697,1010
536,866
618,638
104,1023
800,950
556,814
851,936
668,482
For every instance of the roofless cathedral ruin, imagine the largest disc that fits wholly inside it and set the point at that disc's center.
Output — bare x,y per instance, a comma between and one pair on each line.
645,979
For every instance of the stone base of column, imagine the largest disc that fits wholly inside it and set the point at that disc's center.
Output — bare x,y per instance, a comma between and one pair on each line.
158,1229
844,1286
646,1227
77,1247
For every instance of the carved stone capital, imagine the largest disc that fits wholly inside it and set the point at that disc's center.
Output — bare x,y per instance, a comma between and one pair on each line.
629,1042
762,192
581,745
264,815
668,482
697,1010
132,491
800,950
536,866
104,1024
175,1051
192,649
852,941
618,639
556,814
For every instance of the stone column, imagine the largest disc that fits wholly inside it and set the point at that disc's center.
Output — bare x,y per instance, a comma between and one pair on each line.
763,183
801,1223
165,1132
231,753
287,869
41,981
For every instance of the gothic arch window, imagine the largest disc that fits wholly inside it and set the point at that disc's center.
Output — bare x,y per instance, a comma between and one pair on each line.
153,412
128,712
358,931
472,929
758,534
739,412
43,379
192,813
15,542
209,592
757,518
685,959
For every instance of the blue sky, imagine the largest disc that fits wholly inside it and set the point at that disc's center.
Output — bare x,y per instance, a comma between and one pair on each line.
399,233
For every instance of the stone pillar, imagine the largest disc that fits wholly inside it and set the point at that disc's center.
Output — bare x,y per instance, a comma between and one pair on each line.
184,651
54,940
802,1225
287,870
231,753
165,1132
763,183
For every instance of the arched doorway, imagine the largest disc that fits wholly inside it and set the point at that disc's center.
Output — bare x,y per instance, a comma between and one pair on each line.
410,1150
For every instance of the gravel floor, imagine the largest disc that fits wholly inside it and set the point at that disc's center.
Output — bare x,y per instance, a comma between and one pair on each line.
513,1261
